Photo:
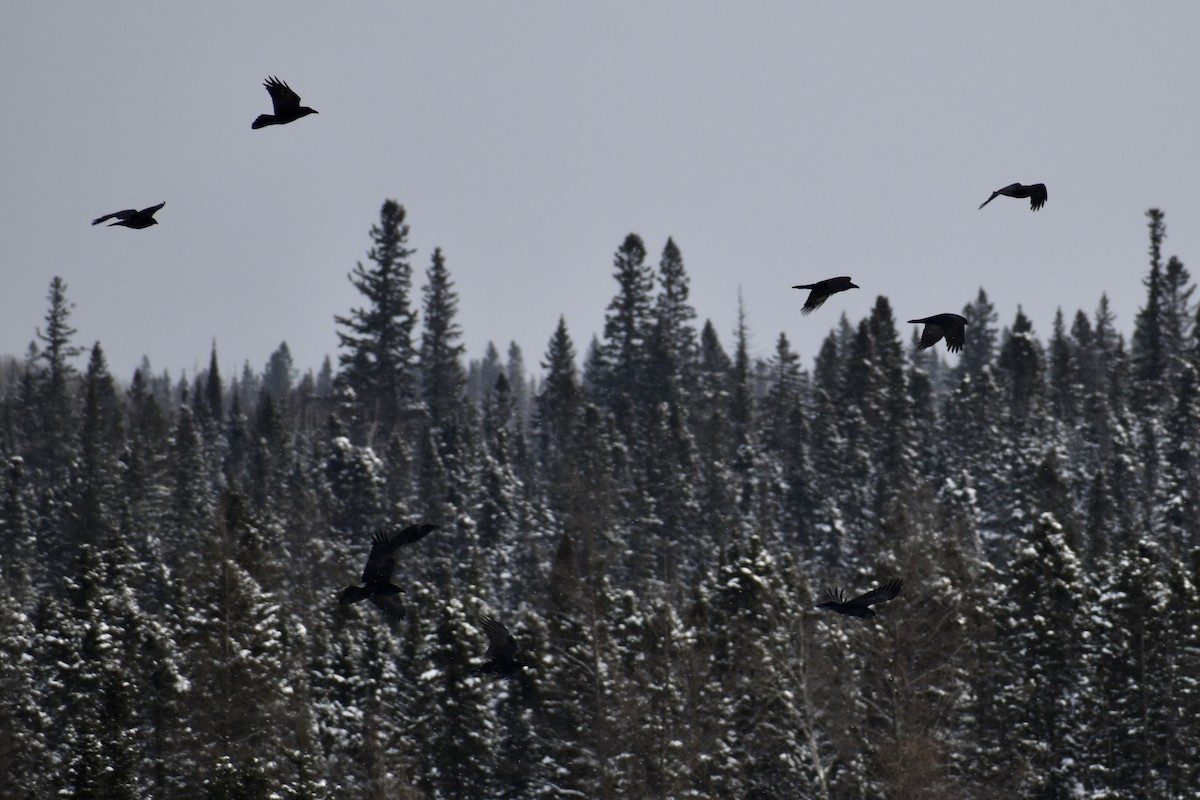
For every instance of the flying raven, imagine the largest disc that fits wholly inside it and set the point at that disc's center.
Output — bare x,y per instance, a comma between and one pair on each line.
132,218
949,325
502,650
821,290
1035,192
287,105
835,599
377,575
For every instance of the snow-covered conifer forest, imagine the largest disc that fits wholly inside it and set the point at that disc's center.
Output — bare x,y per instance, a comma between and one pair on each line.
653,514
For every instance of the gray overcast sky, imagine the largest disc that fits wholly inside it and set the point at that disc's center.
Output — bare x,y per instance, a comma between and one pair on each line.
778,143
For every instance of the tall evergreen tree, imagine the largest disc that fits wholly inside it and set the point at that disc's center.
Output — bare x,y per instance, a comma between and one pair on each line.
1178,505
979,349
673,342
1043,661
456,720
101,446
1149,348
559,401
54,445
443,377
280,372
379,359
628,325
1177,312
1137,670
518,381
1021,367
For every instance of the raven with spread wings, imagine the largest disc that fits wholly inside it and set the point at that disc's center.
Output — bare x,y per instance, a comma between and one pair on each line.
287,105
501,652
377,576
1036,192
819,292
951,326
835,599
132,218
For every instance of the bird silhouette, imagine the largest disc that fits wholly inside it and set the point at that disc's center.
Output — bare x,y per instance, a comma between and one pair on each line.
835,599
377,575
952,326
820,291
502,651
1036,193
132,218
287,105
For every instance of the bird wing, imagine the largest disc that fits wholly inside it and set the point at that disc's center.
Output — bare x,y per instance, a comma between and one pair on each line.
930,335
816,299
880,594
990,199
282,96
833,597
389,604
956,335
152,210
1011,190
1037,196
501,644
413,533
126,214
380,561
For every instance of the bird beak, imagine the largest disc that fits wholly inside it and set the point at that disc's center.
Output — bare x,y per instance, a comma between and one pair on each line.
855,286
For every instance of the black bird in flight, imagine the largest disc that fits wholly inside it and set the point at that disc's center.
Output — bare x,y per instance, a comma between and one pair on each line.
502,651
952,326
377,576
132,218
287,105
820,291
835,599
1036,193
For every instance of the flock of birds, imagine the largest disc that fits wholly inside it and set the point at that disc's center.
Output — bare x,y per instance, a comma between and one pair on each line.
287,109
952,327
501,655
378,588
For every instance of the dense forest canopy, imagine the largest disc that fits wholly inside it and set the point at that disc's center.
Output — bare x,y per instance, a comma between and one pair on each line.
653,517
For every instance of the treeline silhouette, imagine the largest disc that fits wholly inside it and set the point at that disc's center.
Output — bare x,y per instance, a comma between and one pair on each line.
653,519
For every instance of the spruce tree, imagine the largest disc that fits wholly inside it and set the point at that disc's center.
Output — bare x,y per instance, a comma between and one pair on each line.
979,349
1044,623
279,373
1021,369
102,441
628,327
54,443
1178,504
520,384
559,401
442,375
379,357
1137,671
1149,348
672,346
